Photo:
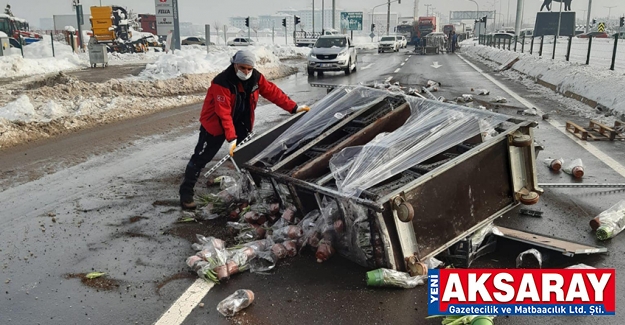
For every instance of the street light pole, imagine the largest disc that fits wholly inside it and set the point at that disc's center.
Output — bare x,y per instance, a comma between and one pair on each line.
313,16
610,12
519,17
388,17
427,9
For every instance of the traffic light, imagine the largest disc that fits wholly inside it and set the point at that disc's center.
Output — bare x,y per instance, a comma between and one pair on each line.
621,21
297,20
594,21
247,22
284,22
399,1
372,27
484,19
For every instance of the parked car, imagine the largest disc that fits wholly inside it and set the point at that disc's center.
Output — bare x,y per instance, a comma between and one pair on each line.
241,41
194,41
388,43
594,35
332,53
528,32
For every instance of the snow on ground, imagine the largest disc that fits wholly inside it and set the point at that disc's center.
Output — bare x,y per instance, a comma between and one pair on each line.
38,59
602,86
48,105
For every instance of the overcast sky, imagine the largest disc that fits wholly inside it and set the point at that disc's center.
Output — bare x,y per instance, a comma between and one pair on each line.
208,11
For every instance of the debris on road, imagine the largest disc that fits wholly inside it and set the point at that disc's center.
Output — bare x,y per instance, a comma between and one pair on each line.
554,164
94,275
500,99
236,302
575,168
530,259
483,92
610,222
527,112
392,278
466,320
566,247
531,213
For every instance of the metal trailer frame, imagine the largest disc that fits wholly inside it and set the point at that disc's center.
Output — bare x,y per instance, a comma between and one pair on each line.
415,221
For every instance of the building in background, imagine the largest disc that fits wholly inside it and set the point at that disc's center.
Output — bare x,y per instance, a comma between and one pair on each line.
46,24
148,23
62,21
239,22
379,19
267,22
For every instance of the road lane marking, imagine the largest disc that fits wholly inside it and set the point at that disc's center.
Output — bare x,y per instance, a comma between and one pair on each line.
367,66
397,70
407,59
388,79
615,165
181,308
403,64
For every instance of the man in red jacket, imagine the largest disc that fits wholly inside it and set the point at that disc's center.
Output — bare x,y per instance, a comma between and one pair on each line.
228,115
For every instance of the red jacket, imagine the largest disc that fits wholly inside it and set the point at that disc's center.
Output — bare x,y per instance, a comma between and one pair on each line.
222,96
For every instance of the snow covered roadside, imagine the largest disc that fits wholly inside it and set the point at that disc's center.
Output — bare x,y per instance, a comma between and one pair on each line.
601,86
58,103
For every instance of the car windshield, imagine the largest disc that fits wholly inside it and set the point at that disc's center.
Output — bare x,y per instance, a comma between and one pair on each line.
386,39
330,42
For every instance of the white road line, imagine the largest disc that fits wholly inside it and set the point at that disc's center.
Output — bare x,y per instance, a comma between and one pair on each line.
407,59
388,79
397,70
615,165
181,308
367,66
403,64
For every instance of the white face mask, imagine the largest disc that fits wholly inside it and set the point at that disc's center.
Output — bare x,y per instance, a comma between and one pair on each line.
243,76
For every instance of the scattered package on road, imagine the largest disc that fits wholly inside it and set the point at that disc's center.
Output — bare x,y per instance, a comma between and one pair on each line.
554,164
483,92
236,302
392,278
500,99
575,168
610,222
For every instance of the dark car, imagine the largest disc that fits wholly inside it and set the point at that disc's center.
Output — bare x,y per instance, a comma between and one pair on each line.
594,35
194,41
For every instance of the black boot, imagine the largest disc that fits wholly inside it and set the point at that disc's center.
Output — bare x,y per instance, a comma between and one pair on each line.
191,175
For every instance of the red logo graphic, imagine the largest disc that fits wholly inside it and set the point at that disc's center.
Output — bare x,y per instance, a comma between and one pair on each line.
163,0
221,99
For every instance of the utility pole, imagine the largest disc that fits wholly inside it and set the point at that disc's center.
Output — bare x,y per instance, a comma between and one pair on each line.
609,12
427,10
333,14
555,41
313,16
388,17
588,17
323,14
519,17
80,21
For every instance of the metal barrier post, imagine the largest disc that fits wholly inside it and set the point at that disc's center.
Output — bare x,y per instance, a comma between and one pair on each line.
616,37
52,38
523,44
516,41
589,47
532,46
540,51
568,50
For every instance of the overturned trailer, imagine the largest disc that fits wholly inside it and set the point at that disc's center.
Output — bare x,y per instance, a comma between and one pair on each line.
409,177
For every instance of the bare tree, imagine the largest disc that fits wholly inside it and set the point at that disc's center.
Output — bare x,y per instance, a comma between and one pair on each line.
217,28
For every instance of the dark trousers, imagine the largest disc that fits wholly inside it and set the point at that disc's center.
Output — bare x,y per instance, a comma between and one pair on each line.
207,147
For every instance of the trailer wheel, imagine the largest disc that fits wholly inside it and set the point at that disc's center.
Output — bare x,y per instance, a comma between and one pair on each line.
405,212
521,141
529,199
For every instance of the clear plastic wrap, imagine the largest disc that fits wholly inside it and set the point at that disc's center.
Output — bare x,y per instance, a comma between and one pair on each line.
529,259
478,237
392,278
580,266
263,262
235,302
328,111
286,233
432,128
610,222
433,263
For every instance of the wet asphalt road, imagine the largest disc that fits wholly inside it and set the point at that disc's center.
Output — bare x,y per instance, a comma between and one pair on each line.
114,211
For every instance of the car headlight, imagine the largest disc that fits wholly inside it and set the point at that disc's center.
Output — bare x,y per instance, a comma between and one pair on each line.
312,55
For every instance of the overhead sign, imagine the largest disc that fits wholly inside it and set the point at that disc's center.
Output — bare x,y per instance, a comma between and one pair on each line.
164,16
470,15
351,20
601,27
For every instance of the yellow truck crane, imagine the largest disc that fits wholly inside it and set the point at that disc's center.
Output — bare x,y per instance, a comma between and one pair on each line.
110,26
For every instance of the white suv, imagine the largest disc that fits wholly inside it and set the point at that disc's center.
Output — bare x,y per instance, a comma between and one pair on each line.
332,53
403,42
388,43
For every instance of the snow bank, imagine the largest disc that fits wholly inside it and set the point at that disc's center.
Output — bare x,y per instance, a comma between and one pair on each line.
602,86
195,60
38,60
